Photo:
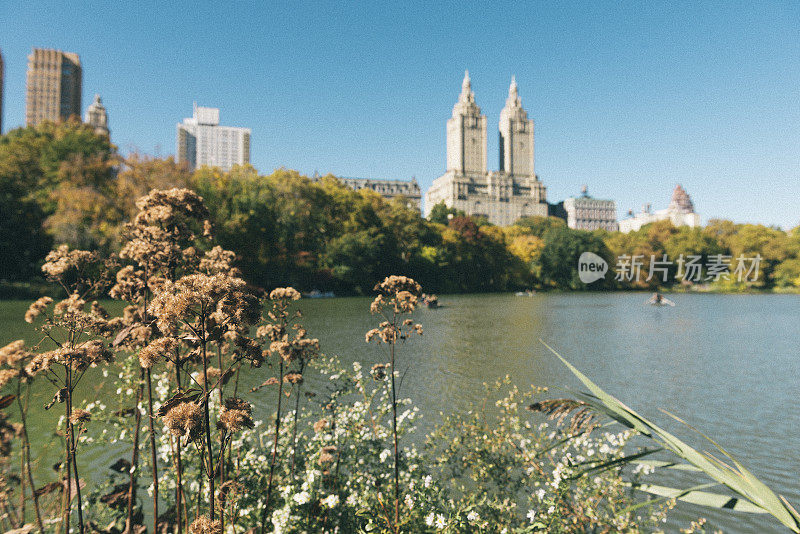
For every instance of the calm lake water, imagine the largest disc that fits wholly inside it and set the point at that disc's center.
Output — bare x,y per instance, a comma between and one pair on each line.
727,364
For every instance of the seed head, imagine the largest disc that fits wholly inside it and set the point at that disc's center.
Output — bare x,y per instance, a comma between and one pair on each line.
204,525
156,350
37,308
79,416
185,418
236,414
284,293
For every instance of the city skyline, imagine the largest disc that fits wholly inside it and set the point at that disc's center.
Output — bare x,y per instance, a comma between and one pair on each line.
707,98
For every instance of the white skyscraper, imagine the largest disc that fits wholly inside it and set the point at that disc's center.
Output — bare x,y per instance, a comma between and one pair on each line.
202,141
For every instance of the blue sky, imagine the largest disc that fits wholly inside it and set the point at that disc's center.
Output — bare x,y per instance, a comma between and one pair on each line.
628,98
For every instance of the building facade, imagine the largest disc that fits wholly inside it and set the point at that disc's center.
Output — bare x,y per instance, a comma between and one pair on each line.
97,117
502,196
202,141
680,212
587,213
54,85
389,189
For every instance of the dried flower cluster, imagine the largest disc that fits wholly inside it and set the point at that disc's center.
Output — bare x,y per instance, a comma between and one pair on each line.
63,261
219,261
284,293
79,416
7,375
326,455
213,374
81,357
37,308
321,425
226,301
235,415
163,347
171,209
185,419
378,371
397,295
293,378
204,525
298,348
14,354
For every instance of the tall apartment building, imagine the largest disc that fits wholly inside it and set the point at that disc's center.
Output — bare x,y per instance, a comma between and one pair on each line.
53,86
503,196
202,141
1,91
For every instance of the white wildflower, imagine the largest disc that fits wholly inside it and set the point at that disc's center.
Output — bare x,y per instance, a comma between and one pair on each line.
301,498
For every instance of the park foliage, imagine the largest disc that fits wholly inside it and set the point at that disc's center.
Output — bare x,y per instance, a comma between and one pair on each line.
62,183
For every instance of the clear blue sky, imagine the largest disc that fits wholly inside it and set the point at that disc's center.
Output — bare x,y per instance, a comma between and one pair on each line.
629,98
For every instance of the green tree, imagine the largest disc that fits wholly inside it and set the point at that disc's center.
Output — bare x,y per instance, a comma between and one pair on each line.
55,180
538,225
559,258
441,214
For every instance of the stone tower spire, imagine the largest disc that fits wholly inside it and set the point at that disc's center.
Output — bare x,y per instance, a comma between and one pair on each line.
466,133
516,136
681,201
513,94
97,117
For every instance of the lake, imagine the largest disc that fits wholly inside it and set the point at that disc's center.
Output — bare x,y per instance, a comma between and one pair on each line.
727,364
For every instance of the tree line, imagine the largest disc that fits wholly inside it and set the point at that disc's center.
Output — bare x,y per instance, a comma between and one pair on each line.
63,183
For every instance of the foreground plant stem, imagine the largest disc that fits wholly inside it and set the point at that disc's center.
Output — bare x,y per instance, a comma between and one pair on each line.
153,454
394,435
274,450
71,447
178,463
206,401
296,413
135,453
26,445
221,444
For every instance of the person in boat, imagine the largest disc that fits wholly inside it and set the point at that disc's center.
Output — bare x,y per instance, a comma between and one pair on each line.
660,300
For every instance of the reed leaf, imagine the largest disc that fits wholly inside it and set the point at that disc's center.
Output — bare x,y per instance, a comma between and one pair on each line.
661,464
702,498
735,477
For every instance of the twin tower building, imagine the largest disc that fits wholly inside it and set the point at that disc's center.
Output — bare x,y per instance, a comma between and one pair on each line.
502,196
